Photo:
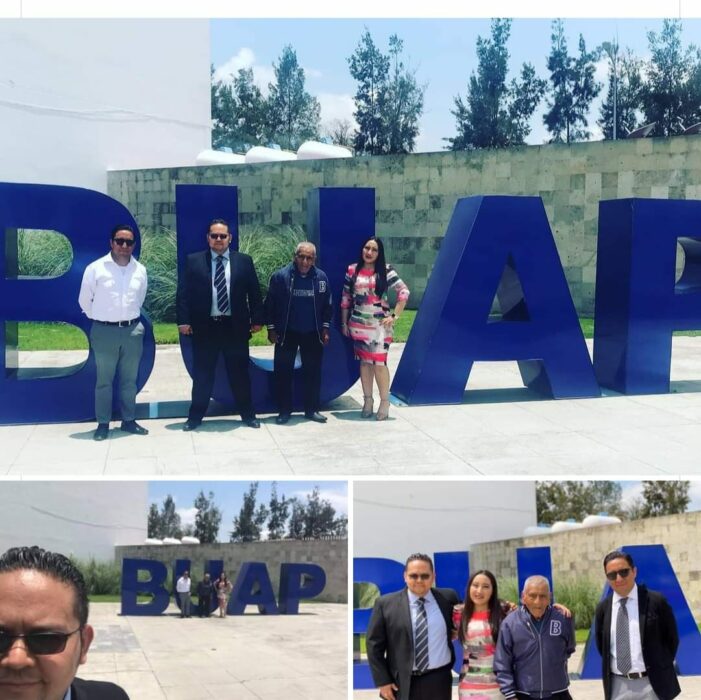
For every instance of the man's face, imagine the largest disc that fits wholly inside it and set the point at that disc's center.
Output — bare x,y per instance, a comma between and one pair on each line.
536,597
31,601
304,259
419,577
218,238
623,585
122,245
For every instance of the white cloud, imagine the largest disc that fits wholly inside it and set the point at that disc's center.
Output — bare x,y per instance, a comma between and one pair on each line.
336,106
695,495
338,499
187,515
631,490
245,58
313,73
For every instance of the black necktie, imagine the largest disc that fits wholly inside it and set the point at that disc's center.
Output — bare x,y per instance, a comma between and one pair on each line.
220,285
623,638
421,638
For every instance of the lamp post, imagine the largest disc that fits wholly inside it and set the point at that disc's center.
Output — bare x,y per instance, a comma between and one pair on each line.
611,49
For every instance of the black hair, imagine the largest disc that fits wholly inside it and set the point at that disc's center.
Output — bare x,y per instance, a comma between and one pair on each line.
56,566
418,557
122,227
223,222
494,606
380,267
618,554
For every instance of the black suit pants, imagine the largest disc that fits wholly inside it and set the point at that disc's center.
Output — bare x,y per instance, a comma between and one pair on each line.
435,685
208,341
311,350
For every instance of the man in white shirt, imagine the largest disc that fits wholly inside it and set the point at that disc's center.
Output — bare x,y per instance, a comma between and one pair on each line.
111,295
183,586
636,635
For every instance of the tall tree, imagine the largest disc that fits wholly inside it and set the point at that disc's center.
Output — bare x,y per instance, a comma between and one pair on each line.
664,498
671,95
171,525
250,520
320,517
572,88
295,528
625,85
340,132
250,112
562,500
154,527
223,108
293,114
207,518
494,114
279,510
370,68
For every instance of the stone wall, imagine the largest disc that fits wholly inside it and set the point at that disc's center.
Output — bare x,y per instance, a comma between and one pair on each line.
415,194
580,553
330,555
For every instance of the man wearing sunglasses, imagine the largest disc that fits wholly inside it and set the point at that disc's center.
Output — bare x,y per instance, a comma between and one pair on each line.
111,295
298,310
636,635
44,631
219,304
409,637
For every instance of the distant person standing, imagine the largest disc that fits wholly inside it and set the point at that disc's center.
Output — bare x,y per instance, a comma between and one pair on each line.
111,295
223,588
298,311
205,592
183,587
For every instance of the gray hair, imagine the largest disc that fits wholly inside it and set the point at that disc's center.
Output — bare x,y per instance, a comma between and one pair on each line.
305,244
537,581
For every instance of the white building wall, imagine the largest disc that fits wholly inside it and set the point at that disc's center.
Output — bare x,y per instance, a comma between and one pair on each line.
85,519
80,97
395,519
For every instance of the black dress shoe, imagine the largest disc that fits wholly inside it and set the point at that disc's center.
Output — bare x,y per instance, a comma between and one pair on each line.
191,424
316,417
102,432
283,418
131,426
252,422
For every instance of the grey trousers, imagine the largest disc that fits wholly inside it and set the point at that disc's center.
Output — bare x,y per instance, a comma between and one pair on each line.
185,603
116,350
625,689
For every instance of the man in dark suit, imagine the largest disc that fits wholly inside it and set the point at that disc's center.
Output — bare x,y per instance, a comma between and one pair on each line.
636,635
409,638
44,630
219,304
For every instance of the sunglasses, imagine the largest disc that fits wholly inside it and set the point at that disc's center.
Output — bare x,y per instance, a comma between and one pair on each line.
623,573
422,577
39,643
124,242
218,236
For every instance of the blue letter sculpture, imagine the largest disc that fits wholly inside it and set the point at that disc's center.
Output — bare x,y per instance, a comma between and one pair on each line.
299,581
638,305
213,567
155,587
86,218
486,237
253,587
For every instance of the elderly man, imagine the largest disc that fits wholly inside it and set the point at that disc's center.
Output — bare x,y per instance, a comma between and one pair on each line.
534,644
111,295
409,636
219,304
44,630
205,593
636,635
298,309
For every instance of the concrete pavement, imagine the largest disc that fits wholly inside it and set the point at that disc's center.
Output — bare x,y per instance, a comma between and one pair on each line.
500,429
248,657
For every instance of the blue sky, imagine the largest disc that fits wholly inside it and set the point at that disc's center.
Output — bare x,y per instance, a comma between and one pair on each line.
441,51
228,496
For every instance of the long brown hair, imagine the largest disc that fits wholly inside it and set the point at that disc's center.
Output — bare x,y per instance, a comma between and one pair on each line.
496,613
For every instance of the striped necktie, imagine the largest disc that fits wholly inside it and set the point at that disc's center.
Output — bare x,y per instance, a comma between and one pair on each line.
623,659
421,636
220,285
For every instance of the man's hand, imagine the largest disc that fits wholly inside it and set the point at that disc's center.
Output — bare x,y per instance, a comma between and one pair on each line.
273,337
325,336
255,329
185,329
387,691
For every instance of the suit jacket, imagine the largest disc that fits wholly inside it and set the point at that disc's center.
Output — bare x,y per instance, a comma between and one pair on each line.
96,690
658,634
194,296
390,637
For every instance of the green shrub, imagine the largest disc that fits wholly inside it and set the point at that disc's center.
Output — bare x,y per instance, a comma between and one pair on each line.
101,577
581,595
43,253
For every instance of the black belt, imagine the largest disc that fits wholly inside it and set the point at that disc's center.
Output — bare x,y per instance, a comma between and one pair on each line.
121,324
416,674
632,676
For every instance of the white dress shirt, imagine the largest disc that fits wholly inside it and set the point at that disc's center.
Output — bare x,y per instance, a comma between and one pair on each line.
227,274
183,585
636,647
111,292
438,652
68,694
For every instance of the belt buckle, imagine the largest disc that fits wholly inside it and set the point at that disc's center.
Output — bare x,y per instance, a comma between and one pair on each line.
123,324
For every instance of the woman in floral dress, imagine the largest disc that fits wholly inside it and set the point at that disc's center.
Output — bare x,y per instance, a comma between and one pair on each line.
223,587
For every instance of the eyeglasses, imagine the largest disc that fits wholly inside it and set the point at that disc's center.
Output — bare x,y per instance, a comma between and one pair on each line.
422,577
218,236
123,242
39,643
299,256
623,573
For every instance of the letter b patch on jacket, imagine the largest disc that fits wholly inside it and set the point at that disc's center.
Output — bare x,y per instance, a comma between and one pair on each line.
555,628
